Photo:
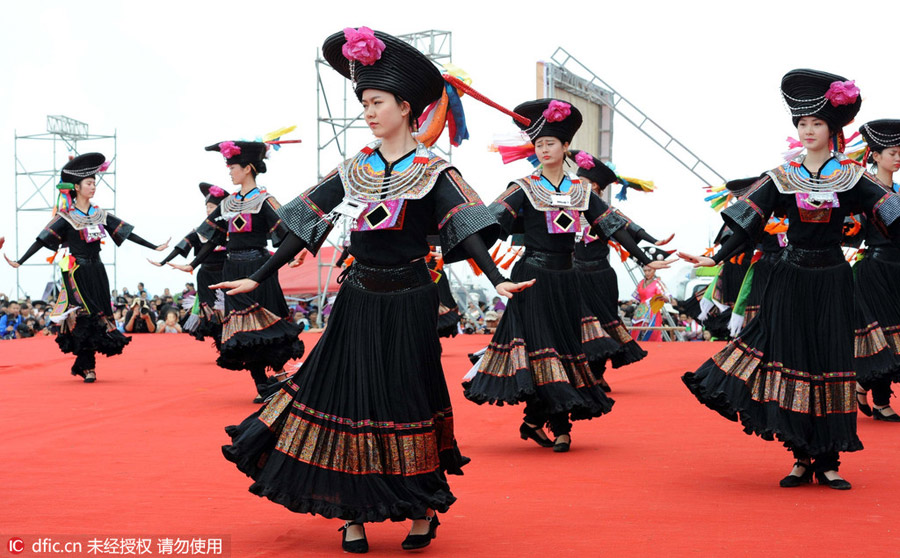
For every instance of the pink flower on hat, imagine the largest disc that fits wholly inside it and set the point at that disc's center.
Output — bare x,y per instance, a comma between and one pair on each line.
362,45
842,92
557,111
228,149
104,166
216,191
584,160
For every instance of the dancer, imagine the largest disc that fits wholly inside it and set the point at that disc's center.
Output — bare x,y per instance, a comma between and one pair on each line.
208,310
535,355
651,295
364,430
83,308
877,290
790,373
257,332
604,336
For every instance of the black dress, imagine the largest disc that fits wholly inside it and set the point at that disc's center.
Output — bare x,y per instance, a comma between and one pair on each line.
257,332
536,354
750,298
364,429
603,335
790,374
83,308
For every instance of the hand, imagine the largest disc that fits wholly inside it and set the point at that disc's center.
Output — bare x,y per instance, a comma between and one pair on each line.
666,241
188,268
164,245
11,262
661,264
698,261
298,260
2,240
507,288
236,287
157,264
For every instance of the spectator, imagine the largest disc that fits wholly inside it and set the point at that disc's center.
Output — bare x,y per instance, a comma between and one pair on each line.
11,320
23,331
498,305
119,317
140,319
171,323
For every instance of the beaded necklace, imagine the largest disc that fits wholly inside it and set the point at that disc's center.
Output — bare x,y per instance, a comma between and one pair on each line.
364,183
791,179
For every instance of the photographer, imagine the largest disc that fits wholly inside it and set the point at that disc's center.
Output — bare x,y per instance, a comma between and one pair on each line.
140,319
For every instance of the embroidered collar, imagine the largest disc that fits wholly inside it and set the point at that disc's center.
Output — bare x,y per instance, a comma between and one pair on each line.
248,196
838,174
235,204
79,220
543,199
364,178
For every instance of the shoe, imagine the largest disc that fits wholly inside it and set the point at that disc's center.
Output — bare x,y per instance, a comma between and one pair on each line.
527,431
604,386
837,484
562,447
359,546
473,358
877,414
90,376
258,399
793,481
864,404
413,542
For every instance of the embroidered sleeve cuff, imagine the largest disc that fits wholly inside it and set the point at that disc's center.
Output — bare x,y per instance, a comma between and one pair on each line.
121,233
743,215
888,209
184,247
608,223
210,230
304,218
464,220
49,238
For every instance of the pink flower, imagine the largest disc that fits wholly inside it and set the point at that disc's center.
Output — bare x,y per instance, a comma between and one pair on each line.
216,191
842,93
557,111
228,149
362,45
104,166
584,160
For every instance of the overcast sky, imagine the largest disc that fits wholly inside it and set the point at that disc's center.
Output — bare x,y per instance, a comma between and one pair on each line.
172,77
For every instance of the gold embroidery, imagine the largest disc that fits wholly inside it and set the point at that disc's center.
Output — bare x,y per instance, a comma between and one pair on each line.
868,341
252,318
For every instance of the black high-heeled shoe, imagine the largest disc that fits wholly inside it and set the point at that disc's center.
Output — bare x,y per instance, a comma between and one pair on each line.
562,447
863,405
527,431
837,484
793,481
877,414
358,546
413,542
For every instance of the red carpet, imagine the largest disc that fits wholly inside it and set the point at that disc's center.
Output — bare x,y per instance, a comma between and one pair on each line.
136,455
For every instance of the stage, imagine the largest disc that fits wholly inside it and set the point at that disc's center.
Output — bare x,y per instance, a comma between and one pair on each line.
137,455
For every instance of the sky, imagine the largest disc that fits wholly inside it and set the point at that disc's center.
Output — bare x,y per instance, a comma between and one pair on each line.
172,77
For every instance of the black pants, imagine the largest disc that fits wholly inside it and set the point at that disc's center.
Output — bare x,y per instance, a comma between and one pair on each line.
536,413
820,463
85,360
258,373
881,392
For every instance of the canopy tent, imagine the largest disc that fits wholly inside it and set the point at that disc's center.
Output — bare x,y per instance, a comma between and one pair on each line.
303,281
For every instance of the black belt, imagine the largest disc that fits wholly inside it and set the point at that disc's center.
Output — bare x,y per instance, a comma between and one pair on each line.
386,279
808,257
557,261
247,255
592,265
87,259
884,253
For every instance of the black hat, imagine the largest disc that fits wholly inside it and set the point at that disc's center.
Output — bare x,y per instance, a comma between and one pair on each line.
739,186
830,97
549,117
382,61
881,134
212,193
83,166
593,168
242,153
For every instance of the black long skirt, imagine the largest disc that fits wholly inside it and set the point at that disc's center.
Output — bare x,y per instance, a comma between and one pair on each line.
536,350
90,328
762,270
256,331
448,310
789,375
364,430
208,324
603,335
877,319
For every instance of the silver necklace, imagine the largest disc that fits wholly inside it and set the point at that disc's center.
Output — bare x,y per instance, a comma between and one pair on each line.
364,183
840,181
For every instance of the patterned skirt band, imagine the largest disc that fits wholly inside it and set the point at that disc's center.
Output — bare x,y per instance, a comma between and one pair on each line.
884,253
386,279
556,261
247,255
592,266
806,257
